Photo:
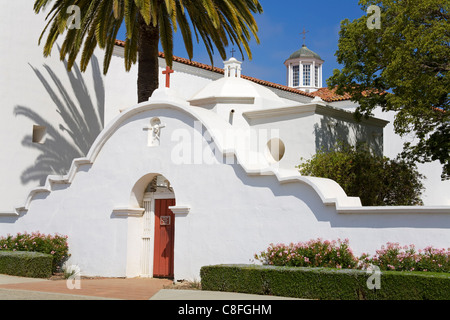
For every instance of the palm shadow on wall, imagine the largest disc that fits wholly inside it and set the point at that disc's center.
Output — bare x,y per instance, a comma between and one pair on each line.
82,119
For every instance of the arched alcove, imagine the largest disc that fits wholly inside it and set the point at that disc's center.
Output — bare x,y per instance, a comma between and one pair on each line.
153,234
142,186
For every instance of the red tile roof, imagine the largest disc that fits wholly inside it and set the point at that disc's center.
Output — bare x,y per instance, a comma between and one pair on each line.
324,93
330,95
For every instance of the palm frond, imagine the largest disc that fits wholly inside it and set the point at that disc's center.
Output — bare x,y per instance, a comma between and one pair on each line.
166,34
217,23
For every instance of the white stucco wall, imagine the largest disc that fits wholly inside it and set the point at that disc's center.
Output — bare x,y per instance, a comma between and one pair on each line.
233,214
39,91
74,106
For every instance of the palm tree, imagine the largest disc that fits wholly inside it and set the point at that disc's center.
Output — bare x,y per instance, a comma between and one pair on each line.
148,22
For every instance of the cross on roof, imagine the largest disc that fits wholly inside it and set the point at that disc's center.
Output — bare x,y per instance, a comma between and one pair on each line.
304,35
232,52
167,72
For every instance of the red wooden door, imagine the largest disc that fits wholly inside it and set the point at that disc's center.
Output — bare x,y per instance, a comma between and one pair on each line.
164,239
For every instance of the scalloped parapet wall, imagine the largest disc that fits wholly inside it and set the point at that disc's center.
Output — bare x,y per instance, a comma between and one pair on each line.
328,190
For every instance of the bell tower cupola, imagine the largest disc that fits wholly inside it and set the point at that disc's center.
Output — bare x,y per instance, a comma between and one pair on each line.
304,69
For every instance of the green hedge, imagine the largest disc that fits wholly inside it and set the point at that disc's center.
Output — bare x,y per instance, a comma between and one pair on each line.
324,283
26,264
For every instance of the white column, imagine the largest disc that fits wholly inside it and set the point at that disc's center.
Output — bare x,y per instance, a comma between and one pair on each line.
147,237
227,71
300,74
238,71
313,74
320,76
287,75
290,75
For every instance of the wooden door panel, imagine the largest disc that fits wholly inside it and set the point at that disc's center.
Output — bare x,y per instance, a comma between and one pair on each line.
164,238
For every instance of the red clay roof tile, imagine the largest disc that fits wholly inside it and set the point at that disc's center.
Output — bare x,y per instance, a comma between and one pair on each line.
324,93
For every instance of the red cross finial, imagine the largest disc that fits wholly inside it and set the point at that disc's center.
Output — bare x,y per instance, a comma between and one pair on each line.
167,72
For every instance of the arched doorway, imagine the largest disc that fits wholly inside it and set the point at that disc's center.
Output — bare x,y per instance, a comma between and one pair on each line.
158,237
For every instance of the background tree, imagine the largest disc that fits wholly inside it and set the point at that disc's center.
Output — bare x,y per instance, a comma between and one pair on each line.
148,23
376,180
402,66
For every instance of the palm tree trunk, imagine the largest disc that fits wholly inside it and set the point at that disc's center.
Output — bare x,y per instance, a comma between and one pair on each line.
148,66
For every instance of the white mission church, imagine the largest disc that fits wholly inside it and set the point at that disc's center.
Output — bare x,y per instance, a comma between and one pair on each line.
203,173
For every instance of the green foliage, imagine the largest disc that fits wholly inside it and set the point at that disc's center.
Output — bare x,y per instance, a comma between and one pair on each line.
402,66
26,264
148,23
54,245
314,253
338,254
406,258
376,180
324,283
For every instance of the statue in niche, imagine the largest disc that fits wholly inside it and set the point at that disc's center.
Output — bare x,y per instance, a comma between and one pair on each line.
155,132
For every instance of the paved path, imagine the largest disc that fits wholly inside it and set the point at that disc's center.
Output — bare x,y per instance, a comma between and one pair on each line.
17,288
109,288
177,294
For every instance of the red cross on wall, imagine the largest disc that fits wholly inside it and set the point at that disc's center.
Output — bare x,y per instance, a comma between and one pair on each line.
167,72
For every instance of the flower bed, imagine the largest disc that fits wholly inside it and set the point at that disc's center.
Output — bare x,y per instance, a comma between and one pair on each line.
338,254
314,253
395,257
55,245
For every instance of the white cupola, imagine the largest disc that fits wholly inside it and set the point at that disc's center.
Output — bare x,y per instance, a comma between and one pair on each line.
232,68
233,94
304,70
235,91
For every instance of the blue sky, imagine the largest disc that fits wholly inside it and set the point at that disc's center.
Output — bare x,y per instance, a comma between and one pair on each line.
279,31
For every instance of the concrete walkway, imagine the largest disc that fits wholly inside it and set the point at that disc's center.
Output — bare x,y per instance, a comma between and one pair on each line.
17,288
106,288
177,294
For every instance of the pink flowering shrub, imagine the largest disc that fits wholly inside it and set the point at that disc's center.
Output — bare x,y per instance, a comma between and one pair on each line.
406,258
314,253
338,254
55,245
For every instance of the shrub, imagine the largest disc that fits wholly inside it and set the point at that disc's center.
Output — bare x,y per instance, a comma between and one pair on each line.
324,283
376,180
55,245
314,253
26,264
406,258
338,254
